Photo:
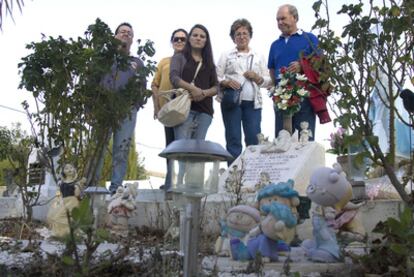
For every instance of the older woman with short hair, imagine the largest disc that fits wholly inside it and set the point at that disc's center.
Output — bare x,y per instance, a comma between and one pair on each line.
244,70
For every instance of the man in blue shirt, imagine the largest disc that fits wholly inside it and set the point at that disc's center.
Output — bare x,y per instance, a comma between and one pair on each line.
286,52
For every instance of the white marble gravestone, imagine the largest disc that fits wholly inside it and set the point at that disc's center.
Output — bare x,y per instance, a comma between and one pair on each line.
297,163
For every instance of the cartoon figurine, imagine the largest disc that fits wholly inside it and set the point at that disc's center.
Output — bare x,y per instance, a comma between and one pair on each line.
266,239
66,200
239,221
304,134
121,207
331,191
282,193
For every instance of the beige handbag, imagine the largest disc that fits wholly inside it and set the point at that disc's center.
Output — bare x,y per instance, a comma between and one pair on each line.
176,110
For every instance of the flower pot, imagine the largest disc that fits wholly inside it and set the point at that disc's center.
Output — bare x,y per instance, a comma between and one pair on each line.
358,190
351,169
287,123
355,174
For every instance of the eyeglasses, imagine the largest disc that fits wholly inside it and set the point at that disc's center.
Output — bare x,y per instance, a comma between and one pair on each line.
125,32
242,34
178,39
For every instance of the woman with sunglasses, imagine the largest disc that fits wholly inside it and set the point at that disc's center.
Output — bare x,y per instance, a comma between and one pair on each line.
161,82
197,51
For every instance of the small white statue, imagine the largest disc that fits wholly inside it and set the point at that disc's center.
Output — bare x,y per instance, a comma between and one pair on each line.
262,139
264,181
173,231
280,144
121,208
305,134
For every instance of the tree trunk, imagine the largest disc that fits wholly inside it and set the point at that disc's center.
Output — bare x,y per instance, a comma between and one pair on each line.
389,169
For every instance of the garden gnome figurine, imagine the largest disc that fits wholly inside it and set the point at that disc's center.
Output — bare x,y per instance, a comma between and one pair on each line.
330,190
66,200
121,207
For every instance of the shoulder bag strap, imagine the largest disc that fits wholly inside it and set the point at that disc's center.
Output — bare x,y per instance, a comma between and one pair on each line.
196,72
251,62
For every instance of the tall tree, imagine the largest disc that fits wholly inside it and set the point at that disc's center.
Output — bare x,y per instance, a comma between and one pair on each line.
374,51
65,78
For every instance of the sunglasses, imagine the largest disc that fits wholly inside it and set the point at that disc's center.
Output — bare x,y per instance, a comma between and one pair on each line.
178,39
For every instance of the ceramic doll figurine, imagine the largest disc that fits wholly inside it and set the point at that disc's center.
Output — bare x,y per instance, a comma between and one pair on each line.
304,134
239,221
266,238
121,207
330,191
66,200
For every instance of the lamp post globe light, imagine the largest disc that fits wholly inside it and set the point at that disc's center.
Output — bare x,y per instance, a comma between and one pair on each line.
195,172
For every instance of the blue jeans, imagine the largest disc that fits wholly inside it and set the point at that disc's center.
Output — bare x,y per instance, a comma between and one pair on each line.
305,114
243,115
122,138
169,137
194,127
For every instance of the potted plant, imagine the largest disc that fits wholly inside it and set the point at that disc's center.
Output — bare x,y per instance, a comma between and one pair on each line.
349,157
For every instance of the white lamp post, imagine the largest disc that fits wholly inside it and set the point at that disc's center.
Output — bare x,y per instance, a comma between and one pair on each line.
195,173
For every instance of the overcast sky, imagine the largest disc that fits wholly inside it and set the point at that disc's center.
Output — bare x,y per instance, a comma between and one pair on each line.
155,20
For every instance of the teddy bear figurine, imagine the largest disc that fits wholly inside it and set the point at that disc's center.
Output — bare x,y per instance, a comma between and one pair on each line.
330,190
239,221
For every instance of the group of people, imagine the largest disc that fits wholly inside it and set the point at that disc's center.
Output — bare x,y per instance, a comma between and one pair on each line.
241,69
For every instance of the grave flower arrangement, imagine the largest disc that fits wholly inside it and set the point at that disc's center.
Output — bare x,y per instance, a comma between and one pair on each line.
338,143
290,91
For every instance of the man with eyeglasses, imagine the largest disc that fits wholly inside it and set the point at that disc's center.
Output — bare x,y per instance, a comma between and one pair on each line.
117,80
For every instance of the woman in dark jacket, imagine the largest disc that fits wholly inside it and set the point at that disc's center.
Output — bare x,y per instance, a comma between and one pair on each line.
202,88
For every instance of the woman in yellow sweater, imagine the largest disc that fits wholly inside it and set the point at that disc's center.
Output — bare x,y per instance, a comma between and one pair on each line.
162,82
